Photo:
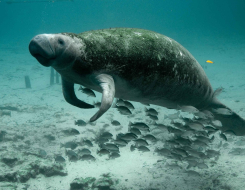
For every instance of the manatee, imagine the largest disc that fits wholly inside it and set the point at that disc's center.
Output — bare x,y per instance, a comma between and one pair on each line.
132,64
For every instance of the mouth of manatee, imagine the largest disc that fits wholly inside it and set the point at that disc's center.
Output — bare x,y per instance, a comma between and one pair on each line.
41,49
133,64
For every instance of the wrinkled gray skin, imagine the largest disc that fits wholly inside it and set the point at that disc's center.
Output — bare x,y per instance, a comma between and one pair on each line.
132,64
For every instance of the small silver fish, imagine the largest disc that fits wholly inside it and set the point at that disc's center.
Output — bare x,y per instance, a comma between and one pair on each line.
189,109
84,151
217,123
209,128
163,152
103,152
209,114
88,143
97,104
146,104
134,130
59,159
128,105
123,110
87,91
115,123
107,135
222,111
180,151
141,142
151,111
201,115
88,157
192,173
143,149
72,145
120,142
203,139
196,126
174,130
159,125
114,155
183,141
120,102
222,135
202,166
80,122
110,147
199,143
127,136
150,138
172,116
212,153
153,117
139,125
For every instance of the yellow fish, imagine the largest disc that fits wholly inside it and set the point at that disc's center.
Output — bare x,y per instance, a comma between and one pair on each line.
208,61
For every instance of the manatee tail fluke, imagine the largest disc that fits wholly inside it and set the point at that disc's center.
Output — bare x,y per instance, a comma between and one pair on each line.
232,122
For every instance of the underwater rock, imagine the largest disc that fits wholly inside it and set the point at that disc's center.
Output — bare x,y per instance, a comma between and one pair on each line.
31,170
51,169
50,137
25,174
2,135
105,183
5,112
82,184
11,108
9,159
7,185
9,177
37,152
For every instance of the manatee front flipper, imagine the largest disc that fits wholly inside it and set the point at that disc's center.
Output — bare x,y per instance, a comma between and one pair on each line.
70,96
106,82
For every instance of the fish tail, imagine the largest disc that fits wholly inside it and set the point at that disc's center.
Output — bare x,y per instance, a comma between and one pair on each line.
80,88
114,105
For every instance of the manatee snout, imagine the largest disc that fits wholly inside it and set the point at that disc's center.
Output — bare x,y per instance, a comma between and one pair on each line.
42,50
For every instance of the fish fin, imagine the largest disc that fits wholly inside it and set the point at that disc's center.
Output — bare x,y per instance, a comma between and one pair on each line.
146,109
130,124
217,91
106,82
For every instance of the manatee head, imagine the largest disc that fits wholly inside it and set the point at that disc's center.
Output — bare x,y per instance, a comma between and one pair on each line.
57,50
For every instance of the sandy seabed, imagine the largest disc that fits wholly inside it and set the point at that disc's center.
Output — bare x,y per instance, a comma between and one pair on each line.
42,111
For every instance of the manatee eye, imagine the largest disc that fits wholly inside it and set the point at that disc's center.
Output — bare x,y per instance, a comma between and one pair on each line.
61,42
